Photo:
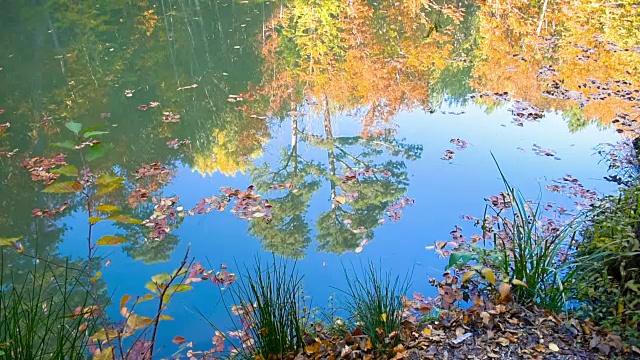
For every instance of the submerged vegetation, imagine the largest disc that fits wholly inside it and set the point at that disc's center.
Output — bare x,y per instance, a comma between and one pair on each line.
108,107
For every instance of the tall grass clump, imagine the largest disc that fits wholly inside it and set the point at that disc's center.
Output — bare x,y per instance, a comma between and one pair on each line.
374,299
533,249
522,254
270,304
39,317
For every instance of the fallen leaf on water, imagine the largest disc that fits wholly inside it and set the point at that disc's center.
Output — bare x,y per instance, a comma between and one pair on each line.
178,340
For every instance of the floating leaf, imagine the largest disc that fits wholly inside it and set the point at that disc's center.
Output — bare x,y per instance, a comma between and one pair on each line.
178,340
108,179
67,144
489,275
107,208
95,152
105,189
136,322
110,240
89,134
9,241
105,354
95,219
64,187
74,127
121,218
96,277
67,170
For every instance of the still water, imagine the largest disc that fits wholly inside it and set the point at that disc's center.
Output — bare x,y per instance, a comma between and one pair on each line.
369,128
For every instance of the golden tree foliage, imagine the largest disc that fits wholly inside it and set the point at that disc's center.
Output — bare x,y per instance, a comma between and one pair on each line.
382,58
590,46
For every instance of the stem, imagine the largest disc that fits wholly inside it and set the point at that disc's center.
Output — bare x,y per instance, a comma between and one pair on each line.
156,321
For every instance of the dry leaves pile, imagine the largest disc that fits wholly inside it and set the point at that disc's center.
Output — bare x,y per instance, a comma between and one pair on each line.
506,332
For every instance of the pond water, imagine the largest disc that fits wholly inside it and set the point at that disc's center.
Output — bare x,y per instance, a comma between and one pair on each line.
369,129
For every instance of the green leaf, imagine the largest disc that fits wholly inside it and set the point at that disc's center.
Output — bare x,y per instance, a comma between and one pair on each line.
95,219
176,288
63,187
111,240
89,134
103,335
9,241
67,170
102,190
136,322
74,127
107,208
67,144
126,219
151,286
95,152
108,179
459,259
161,278
146,297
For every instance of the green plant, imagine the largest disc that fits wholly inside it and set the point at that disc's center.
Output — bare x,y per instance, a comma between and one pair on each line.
609,263
45,314
374,299
270,304
520,247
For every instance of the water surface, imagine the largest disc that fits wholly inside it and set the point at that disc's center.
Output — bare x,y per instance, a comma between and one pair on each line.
368,128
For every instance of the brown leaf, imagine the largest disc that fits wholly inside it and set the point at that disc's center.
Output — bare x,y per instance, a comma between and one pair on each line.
178,340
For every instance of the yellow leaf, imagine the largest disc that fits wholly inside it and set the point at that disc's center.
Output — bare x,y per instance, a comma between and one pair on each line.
9,241
63,187
102,335
105,354
468,275
313,348
146,297
165,317
489,275
519,283
95,219
123,301
107,208
138,321
340,199
110,240
384,317
554,347
96,277
426,331
620,306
